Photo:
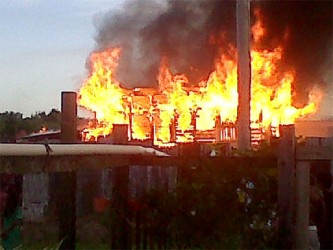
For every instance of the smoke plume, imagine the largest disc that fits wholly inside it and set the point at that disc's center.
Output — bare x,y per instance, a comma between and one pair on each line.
191,33
307,28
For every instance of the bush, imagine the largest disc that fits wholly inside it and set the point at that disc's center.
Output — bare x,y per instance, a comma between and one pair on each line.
218,204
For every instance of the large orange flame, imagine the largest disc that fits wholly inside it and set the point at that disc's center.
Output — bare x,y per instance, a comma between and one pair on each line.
178,104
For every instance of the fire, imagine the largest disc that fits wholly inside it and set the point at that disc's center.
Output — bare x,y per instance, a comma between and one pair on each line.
103,94
180,111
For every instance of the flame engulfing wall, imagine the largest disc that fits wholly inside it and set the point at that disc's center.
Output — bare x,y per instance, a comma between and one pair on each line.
188,46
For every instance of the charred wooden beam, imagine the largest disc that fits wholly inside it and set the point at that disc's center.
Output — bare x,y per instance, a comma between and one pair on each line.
218,128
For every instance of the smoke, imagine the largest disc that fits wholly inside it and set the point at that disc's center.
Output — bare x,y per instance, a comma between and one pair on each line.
178,30
307,28
191,33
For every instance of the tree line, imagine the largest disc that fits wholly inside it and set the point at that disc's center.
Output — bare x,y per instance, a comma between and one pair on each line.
13,125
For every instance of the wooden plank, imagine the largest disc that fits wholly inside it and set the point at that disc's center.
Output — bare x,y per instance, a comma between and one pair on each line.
306,152
70,163
120,227
66,206
315,148
53,164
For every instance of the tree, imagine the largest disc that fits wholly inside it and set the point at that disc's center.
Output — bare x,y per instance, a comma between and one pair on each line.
12,124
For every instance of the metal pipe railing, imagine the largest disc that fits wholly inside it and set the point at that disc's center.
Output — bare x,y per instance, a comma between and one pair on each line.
75,149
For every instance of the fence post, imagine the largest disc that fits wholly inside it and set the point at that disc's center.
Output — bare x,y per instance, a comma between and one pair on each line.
138,230
67,181
302,204
120,228
286,175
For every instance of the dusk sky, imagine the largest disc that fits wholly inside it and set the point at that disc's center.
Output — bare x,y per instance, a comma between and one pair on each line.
44,45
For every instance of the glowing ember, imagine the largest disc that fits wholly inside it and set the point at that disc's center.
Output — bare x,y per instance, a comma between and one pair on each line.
178,110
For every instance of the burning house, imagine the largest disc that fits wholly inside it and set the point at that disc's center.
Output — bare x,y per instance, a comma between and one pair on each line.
200,104
181,110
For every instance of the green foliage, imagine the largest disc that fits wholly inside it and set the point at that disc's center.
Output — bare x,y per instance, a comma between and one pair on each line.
216,207
12,124
210,211
56,247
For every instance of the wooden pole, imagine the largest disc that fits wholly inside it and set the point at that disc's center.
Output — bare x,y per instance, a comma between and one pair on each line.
286,172
120,231
120,226
243,74
302,204
218,128
172,129
130,117
67,181
194,124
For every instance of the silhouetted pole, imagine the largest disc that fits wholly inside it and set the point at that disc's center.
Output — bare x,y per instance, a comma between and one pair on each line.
218,128
286,175
243,74
302,204
67,181
120,228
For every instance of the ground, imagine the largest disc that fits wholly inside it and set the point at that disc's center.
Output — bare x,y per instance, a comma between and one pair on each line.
91,233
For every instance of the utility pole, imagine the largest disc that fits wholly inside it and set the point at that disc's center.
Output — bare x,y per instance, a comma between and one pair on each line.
243,74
